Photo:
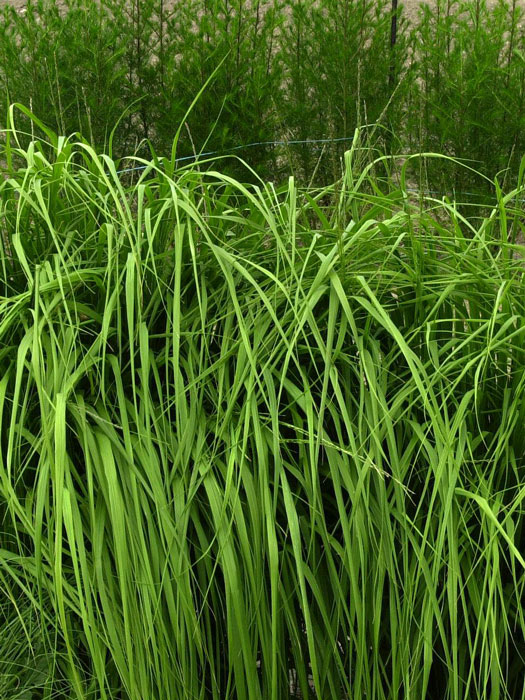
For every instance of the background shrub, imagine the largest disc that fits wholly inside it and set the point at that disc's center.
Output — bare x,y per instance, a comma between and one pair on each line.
341,72
468,99
453,81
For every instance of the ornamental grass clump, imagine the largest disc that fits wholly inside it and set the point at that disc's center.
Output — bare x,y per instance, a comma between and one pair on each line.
256,442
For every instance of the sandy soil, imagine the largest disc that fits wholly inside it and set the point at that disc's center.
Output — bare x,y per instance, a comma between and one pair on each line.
19,4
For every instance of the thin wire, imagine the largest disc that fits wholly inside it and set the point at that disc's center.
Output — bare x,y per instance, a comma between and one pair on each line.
247,145
296,142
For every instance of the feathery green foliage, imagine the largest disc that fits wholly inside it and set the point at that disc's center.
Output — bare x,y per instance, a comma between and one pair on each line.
255,444
342,72
452,82
127,79
469,101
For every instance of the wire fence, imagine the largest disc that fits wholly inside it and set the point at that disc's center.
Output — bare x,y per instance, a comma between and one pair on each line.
295,142
306,142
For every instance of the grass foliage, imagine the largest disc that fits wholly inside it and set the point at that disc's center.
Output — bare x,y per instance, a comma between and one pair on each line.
255,444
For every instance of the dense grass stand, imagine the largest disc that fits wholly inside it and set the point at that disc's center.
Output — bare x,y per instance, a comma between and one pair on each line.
257,442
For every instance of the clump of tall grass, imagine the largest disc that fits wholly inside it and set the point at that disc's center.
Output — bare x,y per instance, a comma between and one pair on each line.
255,444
